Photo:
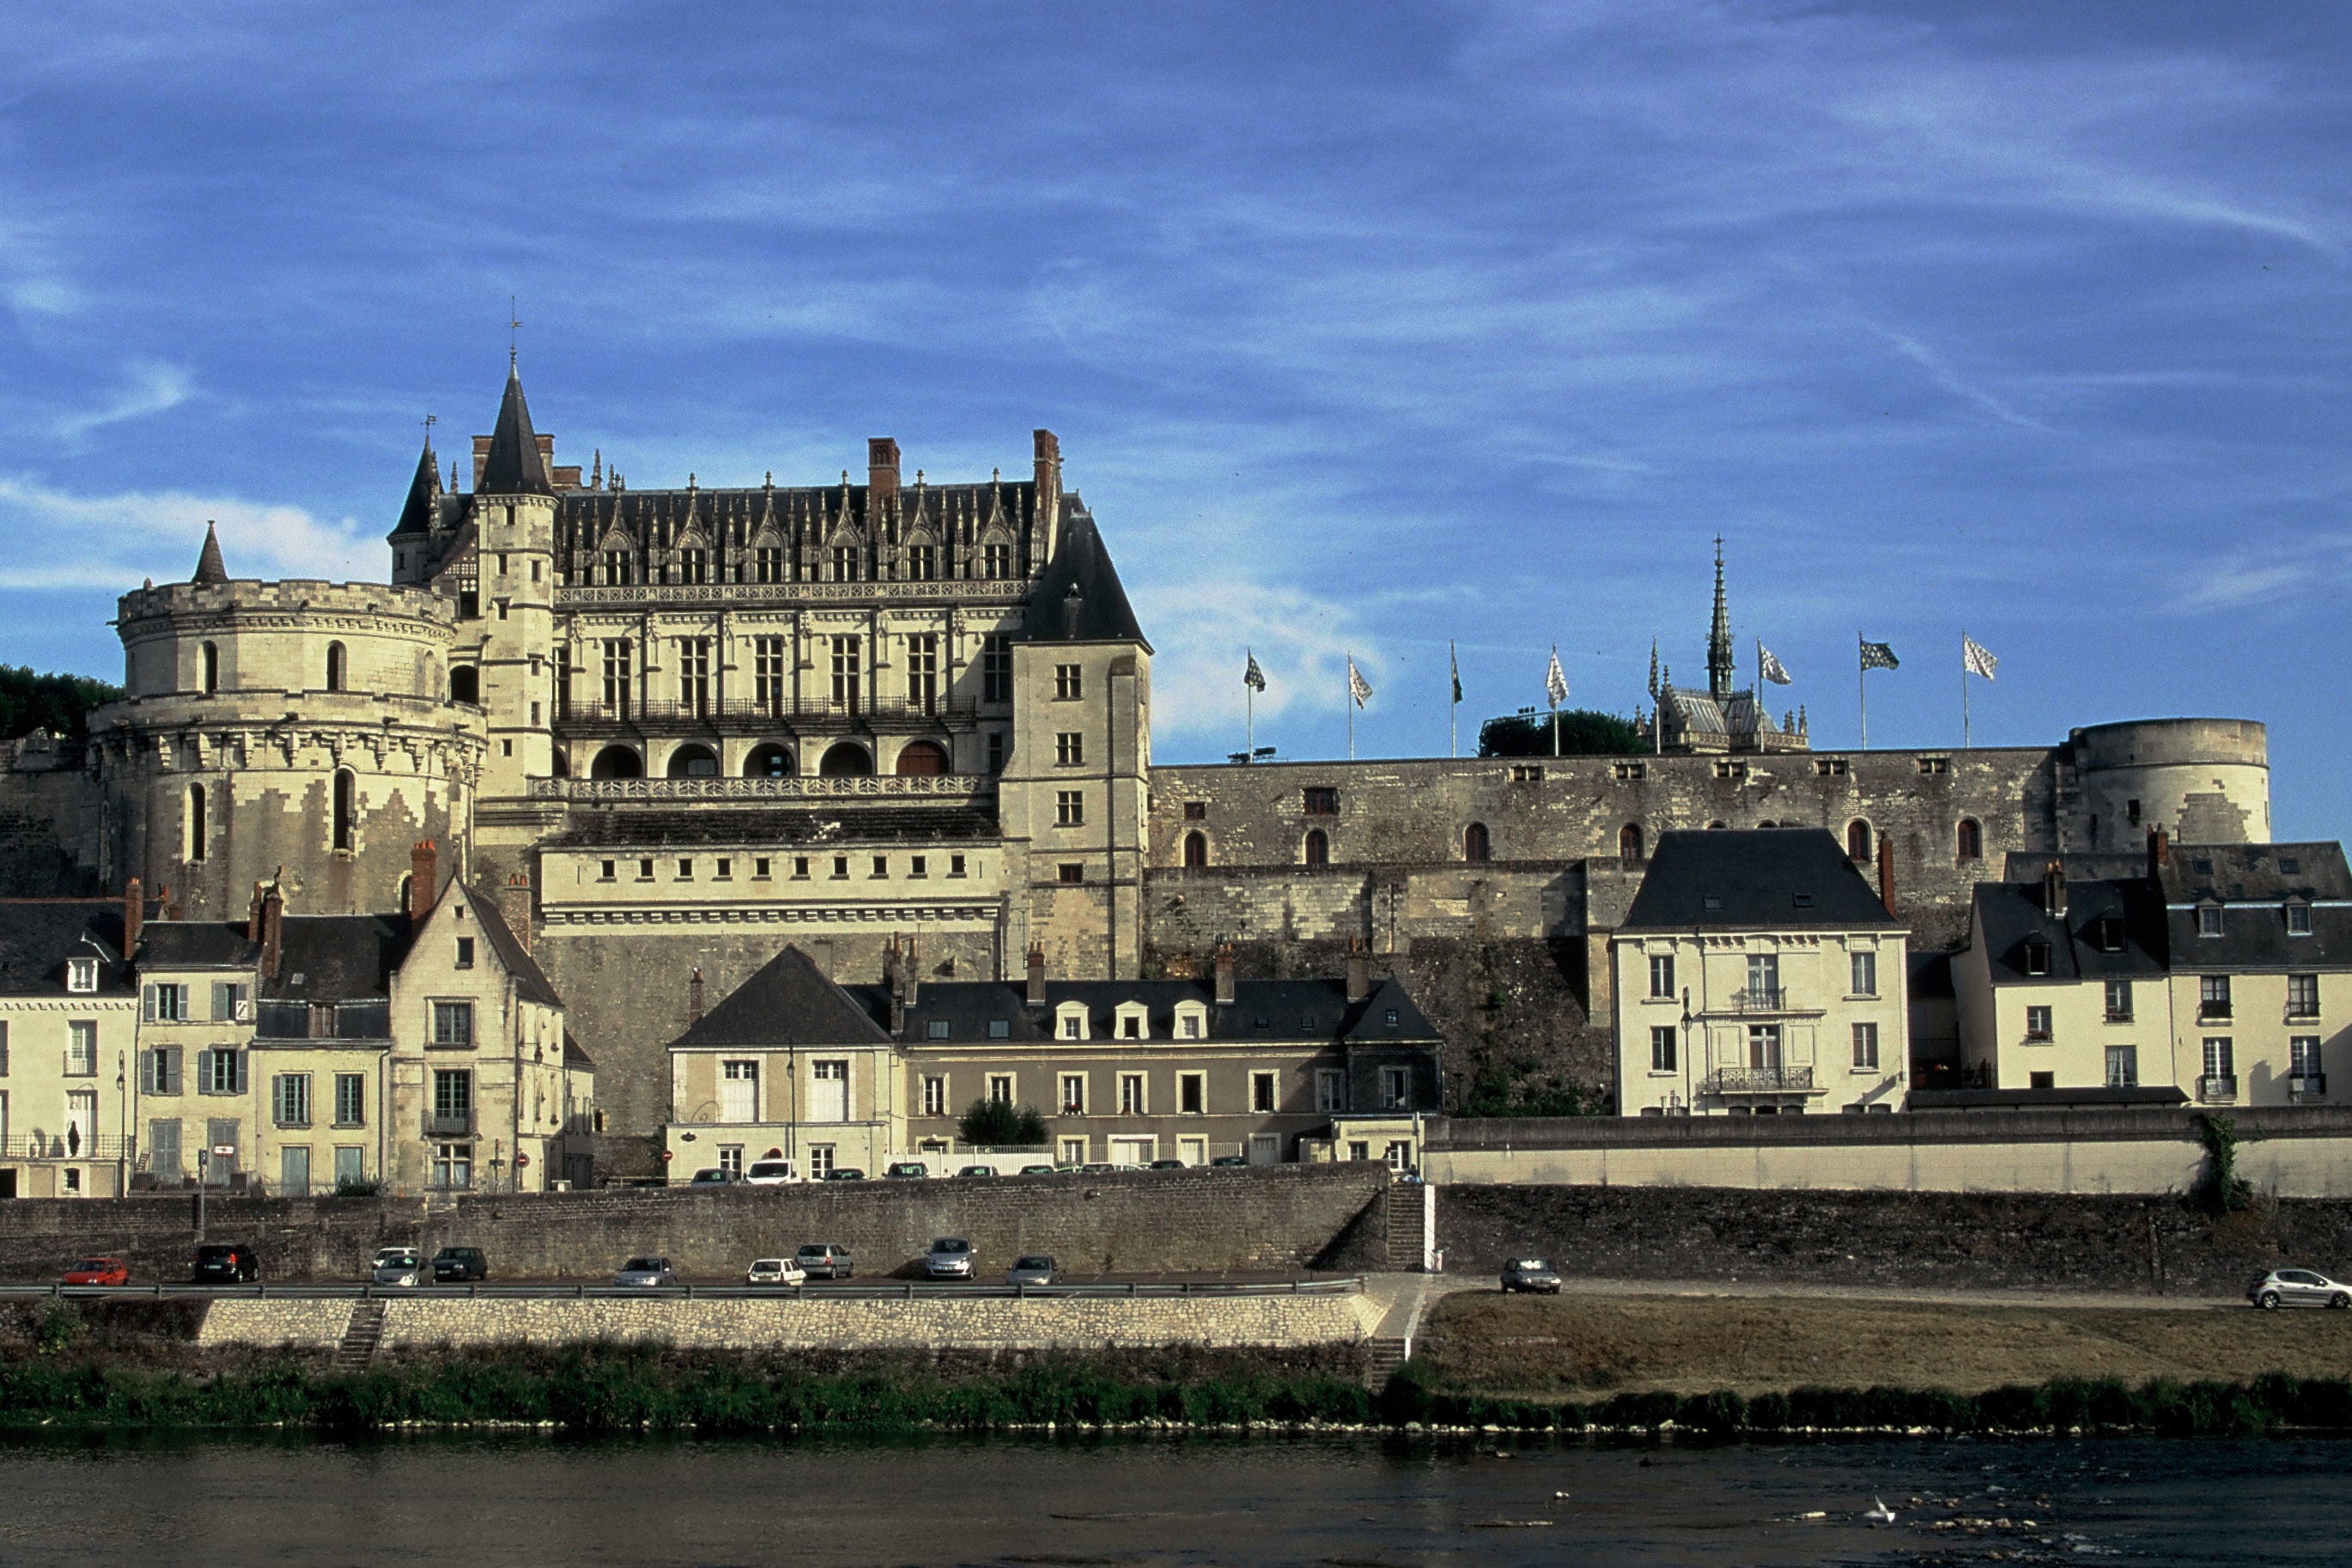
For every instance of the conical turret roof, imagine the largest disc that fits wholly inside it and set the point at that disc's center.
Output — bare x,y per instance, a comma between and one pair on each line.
1079,598
416,514
210,568
513,466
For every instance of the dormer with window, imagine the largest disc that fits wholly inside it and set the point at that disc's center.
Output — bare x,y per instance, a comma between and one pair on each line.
2037,956
2298,918
2209,918
1130,1021
1070,1021
81,975
1191,1021
2107,933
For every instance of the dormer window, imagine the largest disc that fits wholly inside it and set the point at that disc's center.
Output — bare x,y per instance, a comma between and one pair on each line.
1132,1022
2037,958
2298,918
2108,933
1191,1021
1070,1021
81,975
2209,919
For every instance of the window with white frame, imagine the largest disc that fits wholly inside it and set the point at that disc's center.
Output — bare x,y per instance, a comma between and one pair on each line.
1074,1094
2302,995
2213,996
1262,1091
1073,1016
1069,808
1069,749
999,1088
2302,1056
1864,976
2037,1023
2123,1067
820,1161
935,1096
1396,1089
453,1023
2221,1057
2209,919
81,975
1662,974
1191,1094
81,1047
2298,919
290,1099
2119,1001
351,1099
1865,1047
739,1091
167,1002
1662,1047
1191,1021
1131,1100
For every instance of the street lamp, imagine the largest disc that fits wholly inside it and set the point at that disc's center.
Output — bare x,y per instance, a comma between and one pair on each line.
121,1126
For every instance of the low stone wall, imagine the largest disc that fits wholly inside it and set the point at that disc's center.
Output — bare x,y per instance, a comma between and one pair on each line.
1884,1240
1203,1221
816,1322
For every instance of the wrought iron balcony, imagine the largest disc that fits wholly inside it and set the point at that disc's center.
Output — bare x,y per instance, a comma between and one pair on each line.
933,788
65,1146
2217,1090
750,715
1760,999
2307,1086
448,1123
2212,1011
1760,1080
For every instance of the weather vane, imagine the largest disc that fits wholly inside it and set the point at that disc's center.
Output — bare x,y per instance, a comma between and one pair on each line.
514,325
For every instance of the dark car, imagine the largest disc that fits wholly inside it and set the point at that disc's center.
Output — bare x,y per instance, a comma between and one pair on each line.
845,1173
1225,1162
825,1261
1530,1274
459,1263
1169,1165
968,1171
906,1171
227,1263
713,1177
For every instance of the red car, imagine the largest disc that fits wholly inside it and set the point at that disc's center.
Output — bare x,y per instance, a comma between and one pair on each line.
98,1271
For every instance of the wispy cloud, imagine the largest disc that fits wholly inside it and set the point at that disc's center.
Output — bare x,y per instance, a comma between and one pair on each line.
151,388
111,541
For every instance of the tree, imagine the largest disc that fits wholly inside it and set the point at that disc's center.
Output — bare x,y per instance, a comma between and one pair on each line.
1000,1124
1583,733
57,703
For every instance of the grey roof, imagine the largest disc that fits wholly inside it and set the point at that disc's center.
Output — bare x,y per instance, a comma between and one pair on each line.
1754,879
37,935
2253,883
337,958
530,980
512,466
210,568
882,822
196,944
790,1001
574,1056
2007,916
1261,1010
419,514
1079,597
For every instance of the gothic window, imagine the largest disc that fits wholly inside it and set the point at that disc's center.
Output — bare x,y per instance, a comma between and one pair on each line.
995,668
996,561
923,671
768,564
1857,841
618,655
617,568
1196,851
1319,848
844,563
922,562
1474,843
346,807
1969,841
694,566
334,667
1629,843
694,676
768,675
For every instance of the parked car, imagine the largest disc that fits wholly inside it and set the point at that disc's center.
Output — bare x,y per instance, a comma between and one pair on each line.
905,1171
2298,1288
771,1173
98,1271
1223,1162
845,1173
950,1259
458,1263
1530,1274
1169,1165
645,1272
775,1272
976,1171
402,1265
825,1259
1102,1168
1040,1170
714,1176
1035,1269
227,1263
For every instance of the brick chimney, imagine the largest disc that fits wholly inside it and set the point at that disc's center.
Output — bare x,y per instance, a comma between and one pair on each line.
1359,970
273,932
134,916
423,882
2053,890
1887,875
1224,992
252,912
514,906
694,998
1049,468
881,474
2160,851
1037,976
894,983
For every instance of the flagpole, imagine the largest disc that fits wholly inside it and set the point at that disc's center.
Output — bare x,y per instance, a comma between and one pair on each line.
1454,709
1964,689
1553,700
1862,687
1249,707
1351,701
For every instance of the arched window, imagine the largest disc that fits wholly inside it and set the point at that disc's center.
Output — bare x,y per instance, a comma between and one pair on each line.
1857,841
334,667
197,836
1969,843
1319,848
1474,843
769,761
562,765
617,763
346,807
1196,851
1717,826
921,759
846,760
1629,842
1766,824
211,668
466,685
691,761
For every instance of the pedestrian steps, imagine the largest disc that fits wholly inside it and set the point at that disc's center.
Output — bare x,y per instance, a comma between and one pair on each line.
362,1335
1382,1356
1406,1216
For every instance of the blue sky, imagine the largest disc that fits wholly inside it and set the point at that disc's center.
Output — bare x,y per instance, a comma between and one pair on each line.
1363,328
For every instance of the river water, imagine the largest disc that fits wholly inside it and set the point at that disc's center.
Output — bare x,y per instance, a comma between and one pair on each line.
1339,1503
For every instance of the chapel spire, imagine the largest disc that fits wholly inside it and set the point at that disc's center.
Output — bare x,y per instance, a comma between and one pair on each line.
1721,665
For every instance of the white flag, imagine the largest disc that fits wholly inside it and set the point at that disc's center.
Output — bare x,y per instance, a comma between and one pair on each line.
1556,681
1357,687
1773,670
1974,657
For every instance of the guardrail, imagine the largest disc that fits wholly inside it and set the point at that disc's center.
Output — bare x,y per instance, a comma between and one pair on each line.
896,1290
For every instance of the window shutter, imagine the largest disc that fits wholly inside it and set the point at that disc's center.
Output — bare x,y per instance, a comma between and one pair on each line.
237,1060
147,1002
223,1002
170,1070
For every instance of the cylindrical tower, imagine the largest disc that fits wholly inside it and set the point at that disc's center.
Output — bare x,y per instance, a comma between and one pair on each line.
301,725
2203,781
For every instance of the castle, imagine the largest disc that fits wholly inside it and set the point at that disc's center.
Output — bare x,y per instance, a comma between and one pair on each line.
690,726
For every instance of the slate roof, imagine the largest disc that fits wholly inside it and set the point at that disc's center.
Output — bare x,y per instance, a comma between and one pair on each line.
1079,597
880,823
418,514
513,466
37,935
790,1001
2253,883
574,1056
337,958
196,944
2006,916
210,568
530,980
1290,1010
1751,879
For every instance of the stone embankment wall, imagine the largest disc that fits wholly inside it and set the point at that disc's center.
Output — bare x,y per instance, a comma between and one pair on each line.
818,1323
1269,1218
1876,1241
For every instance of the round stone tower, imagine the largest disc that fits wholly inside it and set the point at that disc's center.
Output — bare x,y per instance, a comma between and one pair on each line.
2203,781
298,725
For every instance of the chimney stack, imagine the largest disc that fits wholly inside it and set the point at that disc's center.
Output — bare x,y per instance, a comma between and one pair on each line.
252,912
1036,975
894,983
2053,890
881,474
2160,851
1049,470
1359,970
273,932
1224,974
694,998
423,882
514,905
1887,875
134,916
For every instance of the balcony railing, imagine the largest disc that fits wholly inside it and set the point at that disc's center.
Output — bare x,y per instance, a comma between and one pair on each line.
928,787
2217,1089
448,1123
2302,1012
60,1146
718,595
2212,1011
750,714
2119,1015
1760,999
1760,1080
2307,1086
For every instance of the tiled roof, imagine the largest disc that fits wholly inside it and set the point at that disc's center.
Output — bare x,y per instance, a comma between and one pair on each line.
530,982
337,958
2253,884
789,1001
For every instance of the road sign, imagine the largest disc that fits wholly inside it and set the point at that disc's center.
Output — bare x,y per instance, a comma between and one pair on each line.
223,1151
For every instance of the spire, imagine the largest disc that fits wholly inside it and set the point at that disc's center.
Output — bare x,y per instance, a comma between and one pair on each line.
209,565
424,491
1719,640
513,466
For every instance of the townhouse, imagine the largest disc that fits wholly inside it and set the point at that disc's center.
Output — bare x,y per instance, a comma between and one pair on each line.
68,1025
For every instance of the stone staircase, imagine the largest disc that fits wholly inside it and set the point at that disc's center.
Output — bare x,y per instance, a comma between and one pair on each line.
1382,1355
1405,1214
362,1335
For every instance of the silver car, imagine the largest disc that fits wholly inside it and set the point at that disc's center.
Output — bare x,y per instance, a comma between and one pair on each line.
402,1265
950,1259
1035,1269
2298,1288
645,1273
